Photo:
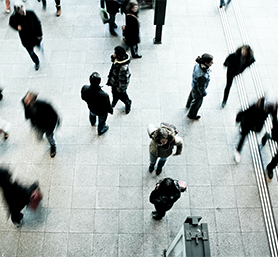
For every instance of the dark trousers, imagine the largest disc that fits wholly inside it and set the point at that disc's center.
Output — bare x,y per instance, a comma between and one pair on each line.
134,50
112,23
101,121
58,2
273,163
120,96
33,55
230,78
160,212
194,102
241,141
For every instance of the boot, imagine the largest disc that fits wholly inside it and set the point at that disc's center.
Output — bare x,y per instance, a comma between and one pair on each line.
58,13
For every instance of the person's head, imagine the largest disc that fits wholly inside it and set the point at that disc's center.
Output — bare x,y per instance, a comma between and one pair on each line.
19,8
205,61
245,51
133,6
95,79
167,187
119,53
162,136
30,99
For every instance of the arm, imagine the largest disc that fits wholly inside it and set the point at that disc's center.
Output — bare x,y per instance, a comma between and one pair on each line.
124,76
179,144
201,85
38,27
151,129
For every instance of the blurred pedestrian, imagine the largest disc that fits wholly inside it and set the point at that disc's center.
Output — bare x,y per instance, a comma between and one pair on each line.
15,195
222,3
163,140
8,6
4,127
98,103
200,81
132,29
29,27
58,6
163,197
274,136
252,119
112,7
43,118
236,63
119,77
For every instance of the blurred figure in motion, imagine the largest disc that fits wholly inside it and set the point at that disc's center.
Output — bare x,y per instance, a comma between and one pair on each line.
8,6
29,27
58,6
4,128
43,118
98,103
200,82
222,3
163,197
132,29
252,119
119,76
16,196
236,63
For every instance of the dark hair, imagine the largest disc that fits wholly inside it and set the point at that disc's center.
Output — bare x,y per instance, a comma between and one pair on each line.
250,53
261,103
167,187
205,58
161,133
95,79
131,4
120,52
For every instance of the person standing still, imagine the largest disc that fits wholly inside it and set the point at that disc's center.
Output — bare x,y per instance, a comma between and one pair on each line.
112,7
200,81
29,27
132,29
98,103
119,77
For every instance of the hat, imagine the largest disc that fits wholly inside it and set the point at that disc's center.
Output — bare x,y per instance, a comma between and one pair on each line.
207,58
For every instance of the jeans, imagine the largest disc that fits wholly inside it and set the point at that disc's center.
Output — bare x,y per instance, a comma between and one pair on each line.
112,23
49,135
33,56
101,121
161,161
194,102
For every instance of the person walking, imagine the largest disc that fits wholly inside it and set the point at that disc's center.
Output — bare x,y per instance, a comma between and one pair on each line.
29,27
163,197
43,118
222,3
119,77
236,63
58,6
8,6
15,195
200,82
252,119
163,140
112,7
132,29
98,103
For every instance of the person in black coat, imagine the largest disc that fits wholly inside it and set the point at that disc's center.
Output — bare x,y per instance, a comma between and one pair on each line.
16,196
274,136
166,193
236,63
132,29
43,118
112,7
98,102
252,119
29,27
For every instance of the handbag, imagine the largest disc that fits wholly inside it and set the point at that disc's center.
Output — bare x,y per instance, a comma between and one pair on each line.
35,199
104,15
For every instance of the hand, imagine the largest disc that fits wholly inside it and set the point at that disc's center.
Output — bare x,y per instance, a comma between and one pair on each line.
39,38
19,27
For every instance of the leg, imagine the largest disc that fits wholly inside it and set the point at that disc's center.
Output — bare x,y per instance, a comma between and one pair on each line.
230,78
272,165
115,95
241,141
222,3
189,100
8,5
265,138
195,104
58,7
159,213
92,118
44,4
34,58
17,218
52,142
101,123
125,99
112,24
160,164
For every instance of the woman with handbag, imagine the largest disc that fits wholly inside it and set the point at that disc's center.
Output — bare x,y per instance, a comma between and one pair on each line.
132,29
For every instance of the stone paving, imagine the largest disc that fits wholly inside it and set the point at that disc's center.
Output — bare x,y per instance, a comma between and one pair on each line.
96,189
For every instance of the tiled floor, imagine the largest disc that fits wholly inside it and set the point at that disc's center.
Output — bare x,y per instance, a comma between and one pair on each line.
96,189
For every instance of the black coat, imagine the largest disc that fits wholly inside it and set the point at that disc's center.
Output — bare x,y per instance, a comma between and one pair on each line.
235,65
42,115
30,28
97,100
132,28
112,6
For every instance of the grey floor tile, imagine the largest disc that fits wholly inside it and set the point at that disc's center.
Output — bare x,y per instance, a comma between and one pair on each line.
220,175
58,220
227,220
60,196
80,244
9,242
105,245
107,200
85,175
55,244
130,198
131,245
26,239
83,197
131,221
106,222
251,220
224,197
200,197
131,175
82,220
247,196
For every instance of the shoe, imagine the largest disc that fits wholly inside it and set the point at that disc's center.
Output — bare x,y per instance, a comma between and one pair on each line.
105,129
37,66
221,5
19,224
194,117
7,11
114,33
156,217
237,157
127,107
151,168
223,104
158,171
52,151
269,173
44,5
137,56
154,212
59,11
6,135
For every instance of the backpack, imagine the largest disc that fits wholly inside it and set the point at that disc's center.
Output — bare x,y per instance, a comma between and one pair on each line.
169,125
